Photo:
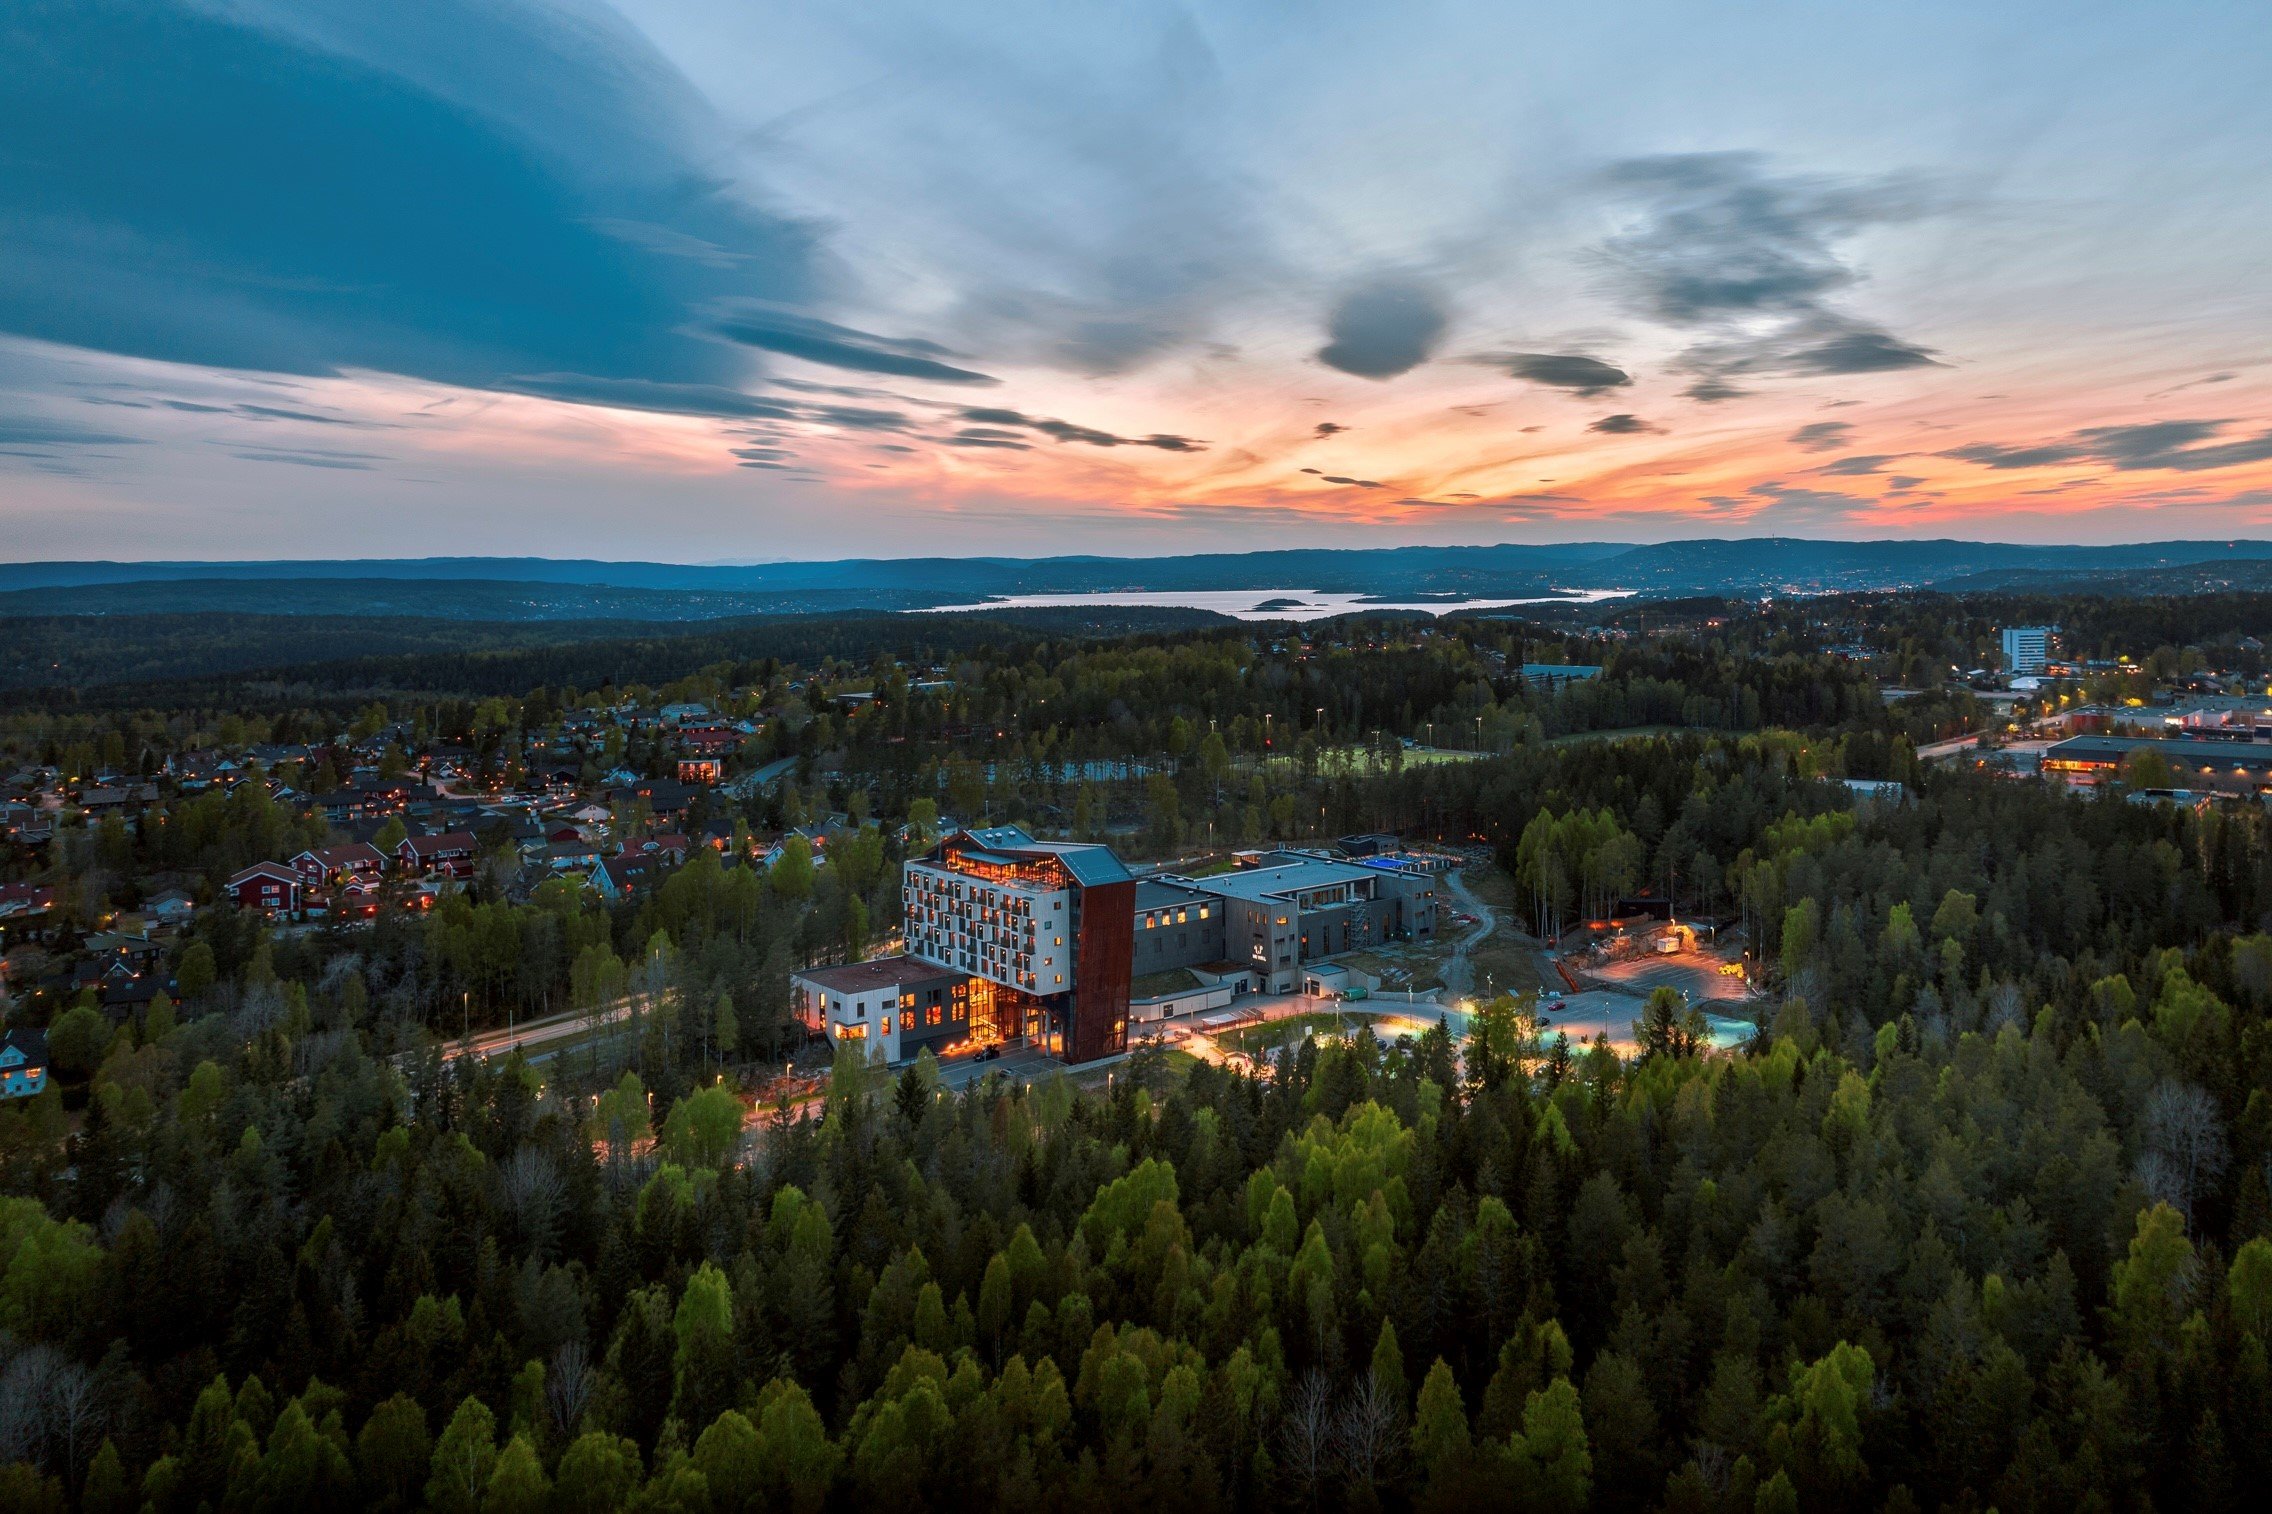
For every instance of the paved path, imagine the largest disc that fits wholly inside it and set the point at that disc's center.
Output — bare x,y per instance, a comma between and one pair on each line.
1457,972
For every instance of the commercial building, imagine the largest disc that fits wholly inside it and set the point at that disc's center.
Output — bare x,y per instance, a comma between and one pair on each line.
1010,939
2027,649
898,1007
2226,765
1294,907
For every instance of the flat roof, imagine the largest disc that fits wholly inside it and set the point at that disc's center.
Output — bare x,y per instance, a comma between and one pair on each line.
2222,754
865,977
1151,895
1259,883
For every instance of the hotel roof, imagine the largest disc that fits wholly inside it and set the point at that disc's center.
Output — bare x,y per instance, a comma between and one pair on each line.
1089,863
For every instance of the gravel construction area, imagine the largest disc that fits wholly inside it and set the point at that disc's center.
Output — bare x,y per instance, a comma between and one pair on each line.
1696,974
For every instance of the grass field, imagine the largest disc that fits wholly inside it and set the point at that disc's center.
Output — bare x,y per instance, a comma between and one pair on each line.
1251,1039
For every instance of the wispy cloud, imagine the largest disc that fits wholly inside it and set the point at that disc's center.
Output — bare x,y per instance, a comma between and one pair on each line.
2182,446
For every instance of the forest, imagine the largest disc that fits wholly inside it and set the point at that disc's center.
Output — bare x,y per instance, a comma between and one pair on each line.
1979,1219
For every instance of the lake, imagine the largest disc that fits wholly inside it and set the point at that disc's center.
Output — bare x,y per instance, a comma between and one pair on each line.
1269,604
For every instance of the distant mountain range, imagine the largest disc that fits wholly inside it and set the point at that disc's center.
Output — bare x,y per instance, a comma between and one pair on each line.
548,589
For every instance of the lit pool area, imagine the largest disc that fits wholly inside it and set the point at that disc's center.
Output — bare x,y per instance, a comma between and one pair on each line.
1579,1016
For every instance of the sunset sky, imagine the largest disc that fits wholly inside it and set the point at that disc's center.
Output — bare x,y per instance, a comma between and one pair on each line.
723,280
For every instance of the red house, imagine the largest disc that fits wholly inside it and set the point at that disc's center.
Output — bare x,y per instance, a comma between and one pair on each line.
268,886
356,862
450,854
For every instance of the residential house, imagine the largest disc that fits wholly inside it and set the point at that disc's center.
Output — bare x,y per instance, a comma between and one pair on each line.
620,878
670,847
705,771
666,800
26,909
356,865
170,907
23,1063
267,886
574,855
139,953
451,854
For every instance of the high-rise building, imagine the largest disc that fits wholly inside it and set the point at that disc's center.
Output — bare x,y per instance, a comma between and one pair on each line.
1044,929
2027,649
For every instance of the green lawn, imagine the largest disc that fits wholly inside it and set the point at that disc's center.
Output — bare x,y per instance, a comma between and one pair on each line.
1255,1038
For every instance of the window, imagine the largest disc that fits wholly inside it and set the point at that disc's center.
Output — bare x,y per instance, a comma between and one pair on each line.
906,1021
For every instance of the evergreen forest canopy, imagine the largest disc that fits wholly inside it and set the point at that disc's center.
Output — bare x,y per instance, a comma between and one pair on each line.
1979,1220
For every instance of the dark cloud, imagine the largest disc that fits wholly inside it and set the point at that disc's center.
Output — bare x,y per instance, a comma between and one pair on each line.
1330,428
1579,374
1383,329
1358,483
2183,446
313,457
1820,436
858,418
1857,350
1996,455
29,431
1003,443
1725,246
438,191
646,394
279,413
836,346
1904,482
1067,431
1856,466
1622,425
986,434
1712,388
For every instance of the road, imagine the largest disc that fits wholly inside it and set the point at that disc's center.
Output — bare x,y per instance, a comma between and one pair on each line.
1934,750
1457,972
760,780
531,1036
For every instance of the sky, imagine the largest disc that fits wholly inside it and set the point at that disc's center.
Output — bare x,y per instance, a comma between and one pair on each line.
726,280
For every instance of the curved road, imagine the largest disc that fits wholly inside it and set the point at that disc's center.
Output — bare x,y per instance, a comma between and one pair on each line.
1457,972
